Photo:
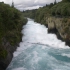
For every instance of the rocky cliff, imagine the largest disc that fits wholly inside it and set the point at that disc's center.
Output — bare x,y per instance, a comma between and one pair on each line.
7,50
6,54
60,26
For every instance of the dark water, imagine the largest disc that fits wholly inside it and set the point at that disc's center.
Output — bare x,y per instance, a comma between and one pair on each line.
40,50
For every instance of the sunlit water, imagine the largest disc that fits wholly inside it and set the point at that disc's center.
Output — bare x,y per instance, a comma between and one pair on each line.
40,50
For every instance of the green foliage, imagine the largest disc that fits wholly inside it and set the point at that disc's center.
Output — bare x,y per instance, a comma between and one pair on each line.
41,15
11,22
30,13
3,54
65,0
61,9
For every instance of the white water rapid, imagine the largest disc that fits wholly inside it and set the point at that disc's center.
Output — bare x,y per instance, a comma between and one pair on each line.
40,50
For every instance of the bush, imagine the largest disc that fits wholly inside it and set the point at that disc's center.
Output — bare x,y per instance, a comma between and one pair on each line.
11,21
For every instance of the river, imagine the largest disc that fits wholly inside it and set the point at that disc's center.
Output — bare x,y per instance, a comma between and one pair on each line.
40,50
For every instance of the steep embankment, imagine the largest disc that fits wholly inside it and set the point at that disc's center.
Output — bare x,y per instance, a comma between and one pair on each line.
56,17
11,22
60,26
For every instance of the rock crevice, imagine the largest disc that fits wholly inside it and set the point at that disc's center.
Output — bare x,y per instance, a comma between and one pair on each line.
59,26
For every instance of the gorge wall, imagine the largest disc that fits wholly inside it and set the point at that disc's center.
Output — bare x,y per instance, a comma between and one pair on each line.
11,22
59,26
8,47
6,54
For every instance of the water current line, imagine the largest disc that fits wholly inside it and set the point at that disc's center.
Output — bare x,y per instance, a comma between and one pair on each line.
38,44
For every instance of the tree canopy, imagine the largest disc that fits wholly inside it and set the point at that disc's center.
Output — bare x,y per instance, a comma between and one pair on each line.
65,0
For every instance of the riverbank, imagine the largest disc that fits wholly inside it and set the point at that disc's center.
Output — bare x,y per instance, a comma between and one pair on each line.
59,26
11,22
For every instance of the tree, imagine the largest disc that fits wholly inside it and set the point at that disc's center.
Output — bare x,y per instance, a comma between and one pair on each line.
55,2
12,4
65,0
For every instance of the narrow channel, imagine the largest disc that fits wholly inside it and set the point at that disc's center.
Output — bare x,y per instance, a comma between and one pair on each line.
40,50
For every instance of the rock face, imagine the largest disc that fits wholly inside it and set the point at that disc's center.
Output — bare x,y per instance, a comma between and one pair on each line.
61,27
4,62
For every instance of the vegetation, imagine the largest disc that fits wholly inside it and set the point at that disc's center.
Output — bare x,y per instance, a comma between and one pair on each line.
3,53
11,21
61,9
30,13
65,0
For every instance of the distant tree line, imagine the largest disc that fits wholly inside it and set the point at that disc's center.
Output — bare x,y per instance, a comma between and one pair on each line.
60,9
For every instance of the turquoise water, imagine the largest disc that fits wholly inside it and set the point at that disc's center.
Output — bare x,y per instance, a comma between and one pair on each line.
40,50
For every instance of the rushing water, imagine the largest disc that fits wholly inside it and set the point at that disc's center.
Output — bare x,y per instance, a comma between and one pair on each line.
40,50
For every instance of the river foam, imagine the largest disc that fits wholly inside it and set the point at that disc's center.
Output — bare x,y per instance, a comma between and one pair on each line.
40,50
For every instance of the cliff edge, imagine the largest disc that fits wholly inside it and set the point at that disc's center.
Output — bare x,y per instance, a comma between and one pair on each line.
11,22
61,27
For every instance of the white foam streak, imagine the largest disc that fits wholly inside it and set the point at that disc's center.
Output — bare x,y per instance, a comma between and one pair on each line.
21,48
21,68
68,55
36,58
